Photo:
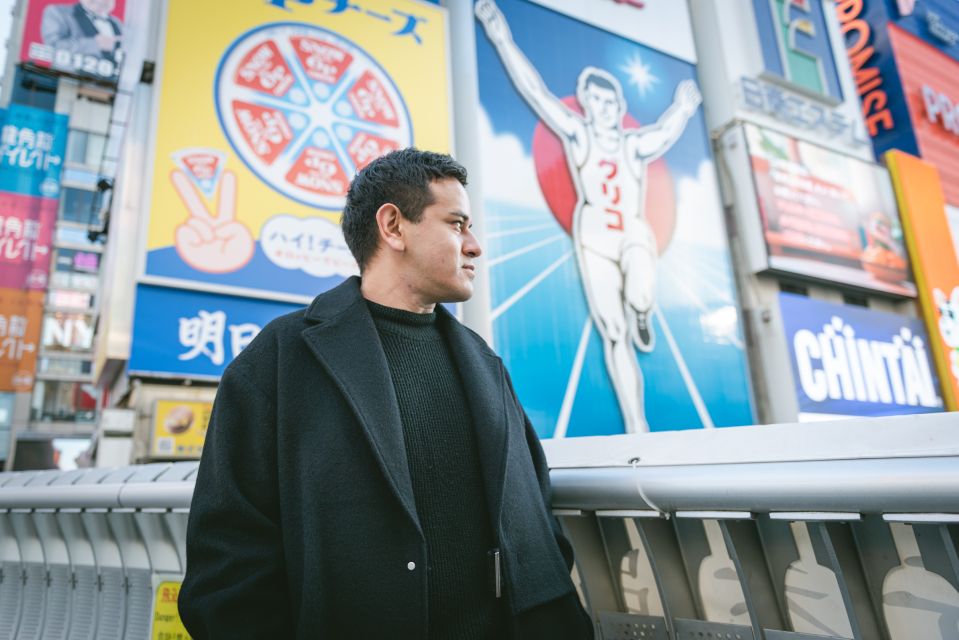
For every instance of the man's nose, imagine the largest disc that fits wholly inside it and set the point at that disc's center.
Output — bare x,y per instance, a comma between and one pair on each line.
471,246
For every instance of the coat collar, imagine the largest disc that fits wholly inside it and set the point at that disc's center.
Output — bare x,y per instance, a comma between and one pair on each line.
345,341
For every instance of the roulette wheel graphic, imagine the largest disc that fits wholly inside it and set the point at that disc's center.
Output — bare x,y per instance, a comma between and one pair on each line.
305,109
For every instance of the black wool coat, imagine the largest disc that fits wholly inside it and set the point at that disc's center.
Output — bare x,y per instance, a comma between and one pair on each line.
303,523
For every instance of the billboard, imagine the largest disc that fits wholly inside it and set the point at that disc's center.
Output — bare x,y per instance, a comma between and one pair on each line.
826,215
193,334
83,38
21,317
796,46
930,87
32,146
288,100
853,361
179,428
613,299
934,262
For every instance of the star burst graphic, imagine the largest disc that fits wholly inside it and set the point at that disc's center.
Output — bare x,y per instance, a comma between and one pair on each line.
639,75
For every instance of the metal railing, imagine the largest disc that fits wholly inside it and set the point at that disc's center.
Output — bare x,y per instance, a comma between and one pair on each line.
836,530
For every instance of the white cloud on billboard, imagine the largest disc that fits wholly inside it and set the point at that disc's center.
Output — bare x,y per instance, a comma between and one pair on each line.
313,245
508,173
699,209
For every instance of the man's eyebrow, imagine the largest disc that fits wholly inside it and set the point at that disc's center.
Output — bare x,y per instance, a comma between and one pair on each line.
460,214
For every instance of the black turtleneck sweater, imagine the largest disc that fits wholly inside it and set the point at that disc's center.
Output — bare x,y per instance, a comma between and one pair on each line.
445,469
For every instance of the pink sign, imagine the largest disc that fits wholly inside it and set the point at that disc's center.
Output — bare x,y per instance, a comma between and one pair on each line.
26,234
83,38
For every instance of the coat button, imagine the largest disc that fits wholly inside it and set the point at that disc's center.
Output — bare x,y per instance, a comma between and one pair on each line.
411,565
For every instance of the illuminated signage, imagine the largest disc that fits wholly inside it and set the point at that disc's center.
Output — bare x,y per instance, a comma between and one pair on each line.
869,79
941,109
795,43
858,362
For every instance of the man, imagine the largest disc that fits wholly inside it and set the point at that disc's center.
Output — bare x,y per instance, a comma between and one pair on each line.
85,28
368,471
616,249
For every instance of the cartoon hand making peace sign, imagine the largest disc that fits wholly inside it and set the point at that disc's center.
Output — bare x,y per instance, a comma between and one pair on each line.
212,244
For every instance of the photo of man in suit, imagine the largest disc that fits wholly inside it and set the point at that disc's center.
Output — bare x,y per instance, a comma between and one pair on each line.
86,28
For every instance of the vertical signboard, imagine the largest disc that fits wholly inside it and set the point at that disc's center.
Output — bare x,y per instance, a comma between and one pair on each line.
852,361
796,46
934,262
930,86
32,144
288,99
83,38
613,300
21,317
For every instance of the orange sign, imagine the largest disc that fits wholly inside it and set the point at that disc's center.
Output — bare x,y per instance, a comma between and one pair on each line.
21,317
934,264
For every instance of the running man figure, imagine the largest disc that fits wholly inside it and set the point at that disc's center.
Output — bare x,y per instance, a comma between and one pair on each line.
615,247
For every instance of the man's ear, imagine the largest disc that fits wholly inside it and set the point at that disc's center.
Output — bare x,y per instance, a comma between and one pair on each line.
388,219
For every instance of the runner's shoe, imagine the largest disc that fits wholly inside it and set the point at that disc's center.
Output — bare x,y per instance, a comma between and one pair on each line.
643,336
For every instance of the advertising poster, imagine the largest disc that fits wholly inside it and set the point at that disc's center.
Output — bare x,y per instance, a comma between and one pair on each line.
934,262
826,215
32,146
83,38
613,299
21,319
853,361
287,100
179,428
193,334
930,84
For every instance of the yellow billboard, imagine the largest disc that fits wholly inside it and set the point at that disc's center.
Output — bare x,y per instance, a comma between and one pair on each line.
179,428
923,208
266,110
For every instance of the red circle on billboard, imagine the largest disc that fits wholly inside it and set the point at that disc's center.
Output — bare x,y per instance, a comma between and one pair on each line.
556,183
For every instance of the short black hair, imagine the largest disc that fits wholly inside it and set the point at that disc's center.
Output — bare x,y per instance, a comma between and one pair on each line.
401,178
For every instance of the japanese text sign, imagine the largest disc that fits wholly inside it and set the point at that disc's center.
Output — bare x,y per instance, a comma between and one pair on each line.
83,38
194,334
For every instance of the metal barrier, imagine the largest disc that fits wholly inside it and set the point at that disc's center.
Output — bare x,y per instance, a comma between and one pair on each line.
835,530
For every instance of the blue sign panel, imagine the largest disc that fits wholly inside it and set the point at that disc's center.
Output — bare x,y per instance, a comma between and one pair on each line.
194,334
613,297
852,361
935,21
32,145
795,44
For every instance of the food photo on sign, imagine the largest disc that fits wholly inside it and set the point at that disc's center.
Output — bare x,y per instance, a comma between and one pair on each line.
82,38
826,215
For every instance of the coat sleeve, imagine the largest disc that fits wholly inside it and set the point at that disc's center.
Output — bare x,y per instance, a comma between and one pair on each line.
538,458
235,584
56,30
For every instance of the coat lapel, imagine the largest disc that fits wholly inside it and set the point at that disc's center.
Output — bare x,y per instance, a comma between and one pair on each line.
345,341
485,388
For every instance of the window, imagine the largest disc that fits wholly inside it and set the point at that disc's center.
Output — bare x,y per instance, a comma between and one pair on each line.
66,367
75,269
34,89
85,148
55,400
77,205
77,237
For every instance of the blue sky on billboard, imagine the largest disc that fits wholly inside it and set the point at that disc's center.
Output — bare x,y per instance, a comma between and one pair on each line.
541,316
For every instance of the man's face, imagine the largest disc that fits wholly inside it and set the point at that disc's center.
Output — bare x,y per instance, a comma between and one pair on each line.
440,248
602,106
99,7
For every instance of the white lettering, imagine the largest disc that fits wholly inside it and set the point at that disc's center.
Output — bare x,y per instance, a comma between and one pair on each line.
813,382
